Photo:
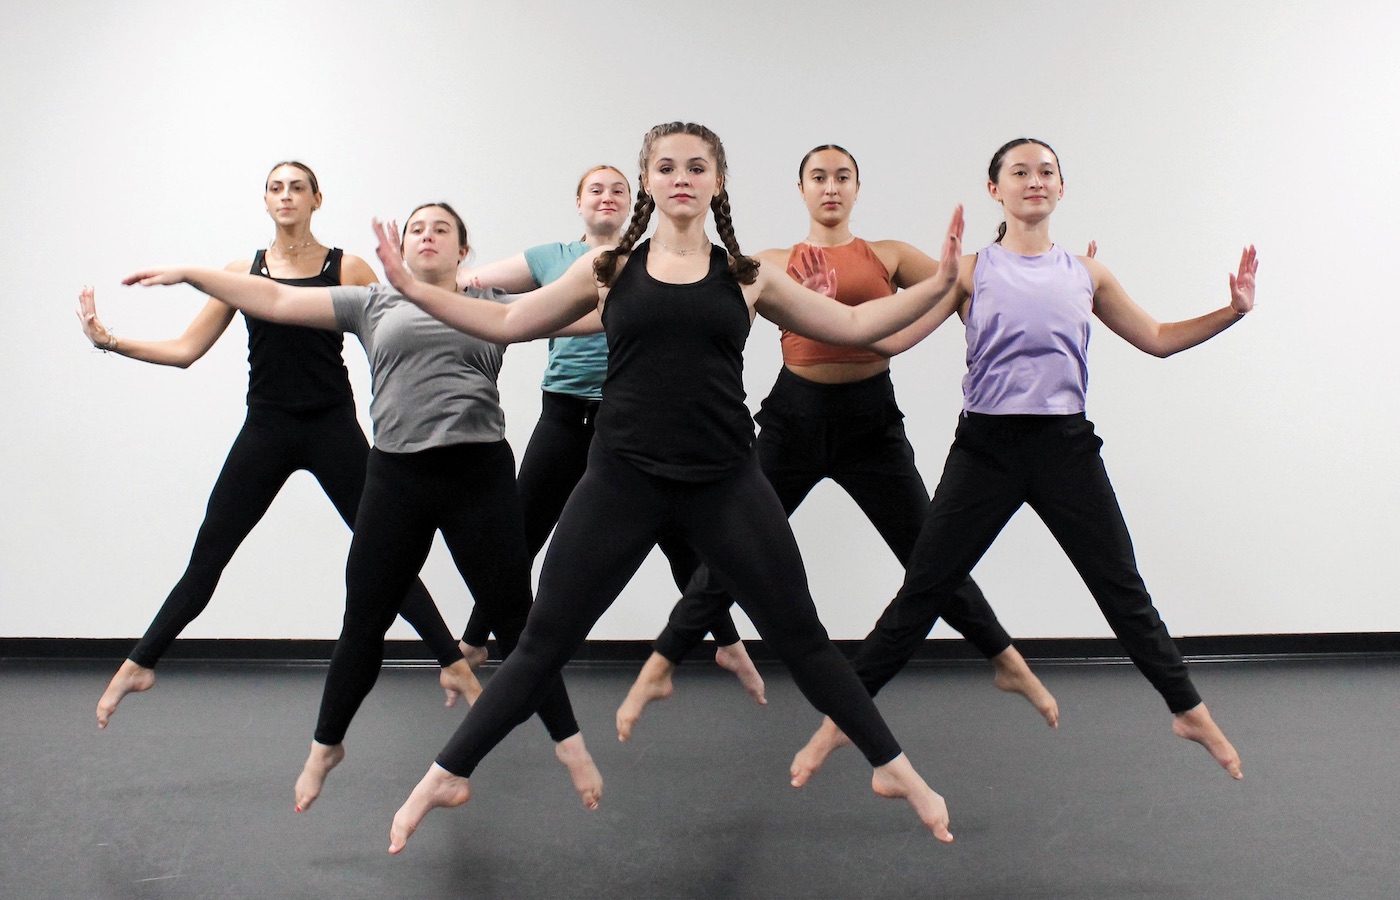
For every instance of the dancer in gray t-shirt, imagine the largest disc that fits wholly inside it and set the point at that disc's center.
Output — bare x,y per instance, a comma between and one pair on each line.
440,461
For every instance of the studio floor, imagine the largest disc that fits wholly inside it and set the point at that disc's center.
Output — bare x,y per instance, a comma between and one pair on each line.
189,792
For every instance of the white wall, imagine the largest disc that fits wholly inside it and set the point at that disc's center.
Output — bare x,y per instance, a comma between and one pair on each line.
1256,472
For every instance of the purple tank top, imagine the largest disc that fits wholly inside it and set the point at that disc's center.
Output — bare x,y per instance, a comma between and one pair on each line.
1028,334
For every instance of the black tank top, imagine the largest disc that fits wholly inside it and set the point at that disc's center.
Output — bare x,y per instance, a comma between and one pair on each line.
673,402
292,367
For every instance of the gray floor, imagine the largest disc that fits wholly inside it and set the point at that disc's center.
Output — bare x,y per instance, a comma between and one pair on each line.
188,794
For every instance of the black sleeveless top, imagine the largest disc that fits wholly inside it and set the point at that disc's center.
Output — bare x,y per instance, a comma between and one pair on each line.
673,401
292,367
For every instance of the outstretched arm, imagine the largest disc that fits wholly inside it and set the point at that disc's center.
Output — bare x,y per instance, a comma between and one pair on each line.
538,313
1132,323
199,336
261,297
811,314
511,275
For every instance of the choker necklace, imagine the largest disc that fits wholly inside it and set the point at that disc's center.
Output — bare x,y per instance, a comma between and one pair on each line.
290,248
681,251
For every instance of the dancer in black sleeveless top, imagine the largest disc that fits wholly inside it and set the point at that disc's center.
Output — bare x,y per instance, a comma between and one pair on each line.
673,452
301,415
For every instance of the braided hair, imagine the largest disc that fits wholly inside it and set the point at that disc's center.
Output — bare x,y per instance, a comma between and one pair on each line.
743,268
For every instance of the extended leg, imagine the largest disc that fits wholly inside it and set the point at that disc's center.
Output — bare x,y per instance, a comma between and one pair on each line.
1074,498
255,470
876,467
336,454
607,528
393,534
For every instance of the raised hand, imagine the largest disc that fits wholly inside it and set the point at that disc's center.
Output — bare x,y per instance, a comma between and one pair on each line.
1242,282
1093,249
951,256
812,271
390,254
93,328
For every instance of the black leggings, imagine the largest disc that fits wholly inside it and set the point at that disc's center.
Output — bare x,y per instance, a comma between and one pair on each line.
853,434
610,524
467,491
554,461
273,444
1052,463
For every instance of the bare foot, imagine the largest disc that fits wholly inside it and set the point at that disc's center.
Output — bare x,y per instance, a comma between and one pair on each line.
319,762
475,656
897,780
736,659
1197,725
458,681
1014,676
810,758
438,788
588,781
653,683
130,679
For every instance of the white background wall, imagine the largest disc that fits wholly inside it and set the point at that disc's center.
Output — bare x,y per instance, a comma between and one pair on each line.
1256,472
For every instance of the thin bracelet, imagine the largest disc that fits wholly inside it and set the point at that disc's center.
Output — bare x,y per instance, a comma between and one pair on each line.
111,343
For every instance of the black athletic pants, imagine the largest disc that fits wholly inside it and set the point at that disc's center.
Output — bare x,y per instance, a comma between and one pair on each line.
853,434
1051,463
272,445
611,522
553,463
466,491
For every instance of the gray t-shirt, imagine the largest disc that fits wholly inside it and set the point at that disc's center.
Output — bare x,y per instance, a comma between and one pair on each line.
433,385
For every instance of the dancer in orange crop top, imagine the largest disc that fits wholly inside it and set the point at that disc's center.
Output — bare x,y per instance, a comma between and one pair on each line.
832,414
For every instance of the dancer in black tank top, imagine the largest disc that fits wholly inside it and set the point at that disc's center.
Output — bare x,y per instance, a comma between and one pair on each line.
673,452
301,415
557,455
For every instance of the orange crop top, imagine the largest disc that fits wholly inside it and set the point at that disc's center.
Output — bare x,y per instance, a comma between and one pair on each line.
860,276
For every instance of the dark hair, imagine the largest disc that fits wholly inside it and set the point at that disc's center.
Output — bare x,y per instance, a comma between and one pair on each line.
802,166
578,191
310,175
461,226
994,170
743,268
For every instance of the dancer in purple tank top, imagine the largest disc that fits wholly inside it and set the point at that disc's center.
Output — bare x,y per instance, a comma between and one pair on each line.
1022,438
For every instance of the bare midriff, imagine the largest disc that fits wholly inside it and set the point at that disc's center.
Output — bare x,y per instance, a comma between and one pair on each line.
840,372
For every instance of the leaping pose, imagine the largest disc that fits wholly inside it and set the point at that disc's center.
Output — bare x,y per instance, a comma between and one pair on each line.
301,415
557,455
673,452
832,414
1023,438
440,462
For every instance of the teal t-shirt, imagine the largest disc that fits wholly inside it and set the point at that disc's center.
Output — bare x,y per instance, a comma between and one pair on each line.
577,365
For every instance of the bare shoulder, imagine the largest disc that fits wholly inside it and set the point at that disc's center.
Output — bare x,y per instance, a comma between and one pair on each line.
242,266
966,266
905,262
892,251
775,257
354,270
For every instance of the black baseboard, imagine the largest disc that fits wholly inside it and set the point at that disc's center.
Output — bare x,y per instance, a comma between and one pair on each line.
945,650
